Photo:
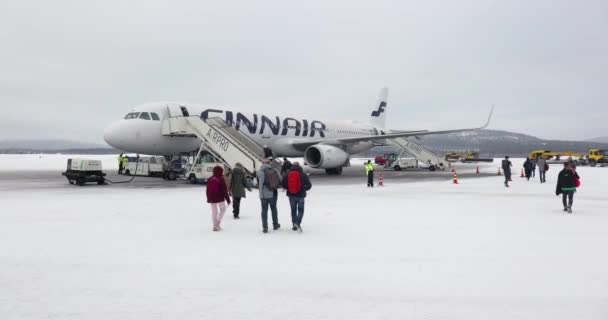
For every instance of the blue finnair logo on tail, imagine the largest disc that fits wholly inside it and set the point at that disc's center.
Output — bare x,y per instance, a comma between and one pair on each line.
380,109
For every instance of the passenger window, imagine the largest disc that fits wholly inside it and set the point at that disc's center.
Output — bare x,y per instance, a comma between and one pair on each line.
154,116
132,115
145,116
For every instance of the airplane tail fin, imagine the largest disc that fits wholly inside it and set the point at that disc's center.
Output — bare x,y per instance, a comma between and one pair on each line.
378,117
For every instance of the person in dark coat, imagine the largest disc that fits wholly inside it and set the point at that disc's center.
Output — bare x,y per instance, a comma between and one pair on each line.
296,182
238,184
267,152
528,165
217,196
506,168
286,167
566,186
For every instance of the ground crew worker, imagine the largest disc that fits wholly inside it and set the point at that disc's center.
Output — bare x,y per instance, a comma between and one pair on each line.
369,171
125,161
121,166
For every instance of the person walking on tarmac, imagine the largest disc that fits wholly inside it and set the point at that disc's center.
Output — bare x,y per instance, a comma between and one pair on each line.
296,183
369,172
286,167
217,193
506,168
542,169
533,167
528,165
268,183
567,182
237,185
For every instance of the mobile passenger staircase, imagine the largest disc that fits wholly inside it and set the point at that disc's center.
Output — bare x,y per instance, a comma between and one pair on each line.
421,153
221,140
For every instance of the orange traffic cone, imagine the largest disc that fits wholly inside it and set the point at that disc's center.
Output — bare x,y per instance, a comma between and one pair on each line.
477,171
380,183
499,174
522,173
455,178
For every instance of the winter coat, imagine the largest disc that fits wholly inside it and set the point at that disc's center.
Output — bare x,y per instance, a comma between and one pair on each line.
566,181
541,165
506,165
369,167
306,185
265,192
528,165
238,181
222,193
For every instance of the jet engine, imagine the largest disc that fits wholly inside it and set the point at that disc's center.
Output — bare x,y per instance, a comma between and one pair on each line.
325,156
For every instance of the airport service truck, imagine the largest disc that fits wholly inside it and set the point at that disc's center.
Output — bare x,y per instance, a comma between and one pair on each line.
202,169
81,171
391,161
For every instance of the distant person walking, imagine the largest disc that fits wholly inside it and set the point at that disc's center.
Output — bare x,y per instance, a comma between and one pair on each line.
542,169
286,167
297,183
268,183
533,167
217,193
238,184
369,172
567,182
528,165
506,168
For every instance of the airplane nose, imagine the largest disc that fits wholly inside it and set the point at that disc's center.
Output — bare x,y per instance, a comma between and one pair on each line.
113,136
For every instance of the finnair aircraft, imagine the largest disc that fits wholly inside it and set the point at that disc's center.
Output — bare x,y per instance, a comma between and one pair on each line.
140,132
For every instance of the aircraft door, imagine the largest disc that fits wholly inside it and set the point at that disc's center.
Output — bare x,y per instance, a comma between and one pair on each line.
177,110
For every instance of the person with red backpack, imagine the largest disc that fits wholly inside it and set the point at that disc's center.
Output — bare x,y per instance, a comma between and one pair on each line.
297,183
268,183
217,193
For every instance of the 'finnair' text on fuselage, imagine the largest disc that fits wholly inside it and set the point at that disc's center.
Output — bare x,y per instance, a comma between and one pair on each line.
265,125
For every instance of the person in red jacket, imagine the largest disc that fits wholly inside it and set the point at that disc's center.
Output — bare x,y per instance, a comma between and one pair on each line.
217,193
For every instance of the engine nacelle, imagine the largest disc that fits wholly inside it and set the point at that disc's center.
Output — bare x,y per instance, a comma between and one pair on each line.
325,156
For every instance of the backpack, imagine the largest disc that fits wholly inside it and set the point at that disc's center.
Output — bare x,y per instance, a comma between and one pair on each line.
294,184
213,186
546,167
271,179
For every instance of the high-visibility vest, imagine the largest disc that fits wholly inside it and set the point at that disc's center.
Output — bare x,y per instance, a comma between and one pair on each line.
369,167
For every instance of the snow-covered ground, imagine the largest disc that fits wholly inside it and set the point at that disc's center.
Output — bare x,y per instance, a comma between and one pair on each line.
428,250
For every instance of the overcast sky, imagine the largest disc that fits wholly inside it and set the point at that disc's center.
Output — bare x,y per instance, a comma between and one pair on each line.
69,68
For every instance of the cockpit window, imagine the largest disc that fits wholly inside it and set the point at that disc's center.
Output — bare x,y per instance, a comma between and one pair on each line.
154,116
145,116
132,115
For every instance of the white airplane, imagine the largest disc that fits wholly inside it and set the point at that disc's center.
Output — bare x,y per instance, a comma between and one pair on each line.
140,132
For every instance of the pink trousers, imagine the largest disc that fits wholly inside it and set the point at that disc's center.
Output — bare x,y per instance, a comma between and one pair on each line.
217,213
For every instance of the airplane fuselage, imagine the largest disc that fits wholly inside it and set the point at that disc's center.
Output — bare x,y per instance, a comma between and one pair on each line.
140,130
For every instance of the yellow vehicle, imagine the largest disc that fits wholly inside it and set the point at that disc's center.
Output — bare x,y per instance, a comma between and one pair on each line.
597,156
548,155
468,156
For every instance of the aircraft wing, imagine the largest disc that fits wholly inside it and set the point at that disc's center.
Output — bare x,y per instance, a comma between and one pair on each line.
380,138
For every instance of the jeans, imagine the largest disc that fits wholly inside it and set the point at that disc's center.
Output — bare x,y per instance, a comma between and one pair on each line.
297,210
541,174
570,196
272,202
236,206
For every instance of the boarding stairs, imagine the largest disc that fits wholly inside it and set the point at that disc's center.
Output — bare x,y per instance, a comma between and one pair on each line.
421,153
221,140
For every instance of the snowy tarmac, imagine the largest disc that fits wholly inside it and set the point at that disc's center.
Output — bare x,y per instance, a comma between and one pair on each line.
418,248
